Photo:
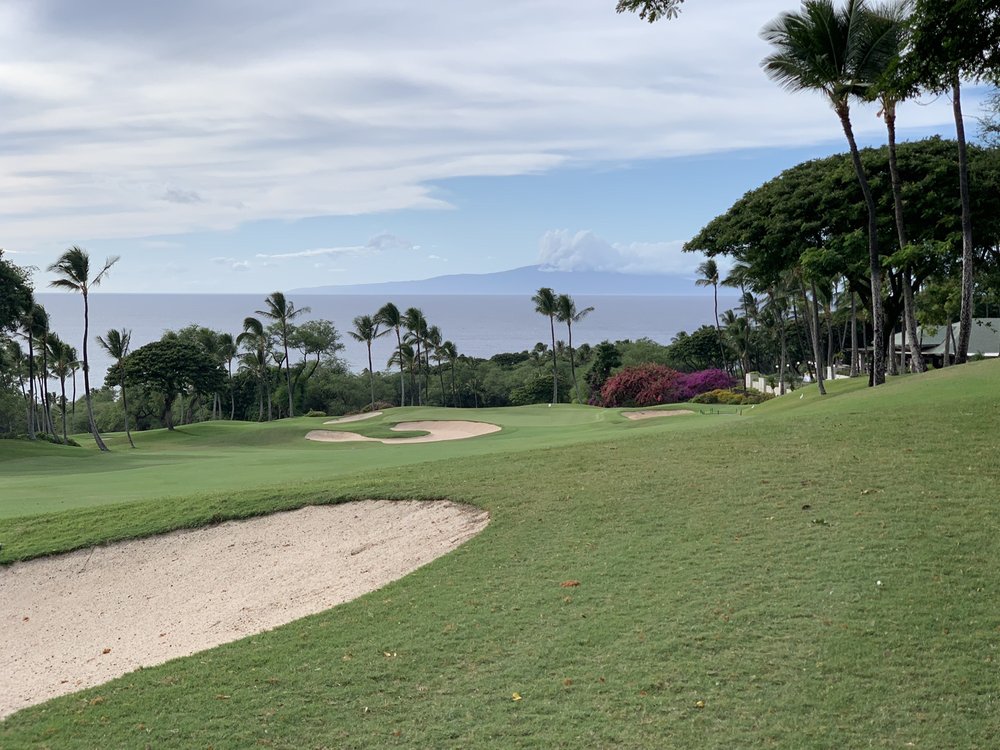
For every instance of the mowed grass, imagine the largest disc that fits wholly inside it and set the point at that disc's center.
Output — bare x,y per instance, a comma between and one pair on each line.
727,595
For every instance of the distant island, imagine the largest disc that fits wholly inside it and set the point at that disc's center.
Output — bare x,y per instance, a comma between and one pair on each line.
527,280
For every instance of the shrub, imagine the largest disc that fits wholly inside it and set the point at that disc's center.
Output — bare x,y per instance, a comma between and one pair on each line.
736,398
315,413
645,385
694,383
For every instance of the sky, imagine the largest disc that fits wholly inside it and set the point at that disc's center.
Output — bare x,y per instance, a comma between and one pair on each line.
243,146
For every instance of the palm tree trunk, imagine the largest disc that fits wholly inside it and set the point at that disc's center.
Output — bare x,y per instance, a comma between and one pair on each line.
812,310
402,376
128,433
965,315
855,358
62,388
718,328
371,374
910,320
555,376
783,363
86,376
572,361
31,384
875,263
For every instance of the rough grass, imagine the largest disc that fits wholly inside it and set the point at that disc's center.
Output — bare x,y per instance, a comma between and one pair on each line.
727,594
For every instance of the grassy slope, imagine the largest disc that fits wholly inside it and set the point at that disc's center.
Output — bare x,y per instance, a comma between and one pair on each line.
703,577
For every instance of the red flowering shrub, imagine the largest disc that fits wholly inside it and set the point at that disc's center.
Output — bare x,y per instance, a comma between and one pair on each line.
649,385
645,385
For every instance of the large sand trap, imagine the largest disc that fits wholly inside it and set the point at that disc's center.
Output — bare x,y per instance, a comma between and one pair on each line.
77,620
650,413
436,432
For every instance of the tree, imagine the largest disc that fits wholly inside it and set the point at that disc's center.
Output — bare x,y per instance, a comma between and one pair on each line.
650,10
416,325
835,51
170,367
568,314
389,316
15,294
228,351
283,312
949,42
547,304
62,359
73,269
116,345
709,271
366,330
257,344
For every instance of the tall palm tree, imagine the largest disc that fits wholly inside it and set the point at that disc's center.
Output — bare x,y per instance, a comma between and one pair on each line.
839,53
256,341
116,345
416,324
709,271
73,269
890,19
567,313
449,352
31,323
228,352
283,312
546,304
366,330
433,342
390,316
61,357
404,356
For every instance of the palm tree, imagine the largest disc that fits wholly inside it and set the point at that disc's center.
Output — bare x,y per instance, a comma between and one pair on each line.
840,53
433,342
449,352
73,269
546,304
389,316
404,356
116,345
568,314
709,271
62,358
366,330
31,323
255,340
416,324
228,352
283,312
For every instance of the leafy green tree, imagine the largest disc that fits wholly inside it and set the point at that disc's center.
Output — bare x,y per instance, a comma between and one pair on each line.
228,351
171,367
547,304
283,313
257,343
73,270
568,314
606,359
366,331
15,294
834,51
950,41
116,344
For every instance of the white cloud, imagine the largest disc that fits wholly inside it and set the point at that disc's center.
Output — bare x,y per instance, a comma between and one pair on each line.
286,111
379,243
232,263
563,250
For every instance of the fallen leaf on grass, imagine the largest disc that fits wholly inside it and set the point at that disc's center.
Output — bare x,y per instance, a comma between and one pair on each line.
515,696
569,584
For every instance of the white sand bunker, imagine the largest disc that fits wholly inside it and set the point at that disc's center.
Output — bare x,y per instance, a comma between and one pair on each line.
355,417
74,621
436,432
650,413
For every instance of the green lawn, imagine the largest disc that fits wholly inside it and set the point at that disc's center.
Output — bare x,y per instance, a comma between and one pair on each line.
723,559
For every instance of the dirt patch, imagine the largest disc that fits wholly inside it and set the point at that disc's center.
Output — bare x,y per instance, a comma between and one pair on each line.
74,621
436,432
651,413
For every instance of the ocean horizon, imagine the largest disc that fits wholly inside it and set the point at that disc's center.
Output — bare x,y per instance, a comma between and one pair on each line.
480,326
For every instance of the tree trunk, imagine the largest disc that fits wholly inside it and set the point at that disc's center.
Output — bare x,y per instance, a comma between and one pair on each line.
31,384
371,375
86,376
555,375
572,361
813,312
718,328
783,363
874,261
965,316
128,432
402,376
62,389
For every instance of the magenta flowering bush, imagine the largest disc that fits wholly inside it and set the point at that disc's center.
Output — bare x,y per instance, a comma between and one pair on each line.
694,383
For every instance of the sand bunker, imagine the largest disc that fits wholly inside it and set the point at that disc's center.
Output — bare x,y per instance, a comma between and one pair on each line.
650,413
355,417
74,621
436,432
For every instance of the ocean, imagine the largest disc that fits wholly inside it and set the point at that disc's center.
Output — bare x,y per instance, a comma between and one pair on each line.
480,326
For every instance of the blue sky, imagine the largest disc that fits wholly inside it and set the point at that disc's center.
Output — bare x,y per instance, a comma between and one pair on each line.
224,146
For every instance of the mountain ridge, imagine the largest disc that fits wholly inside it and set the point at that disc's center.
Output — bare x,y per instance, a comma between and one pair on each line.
525,280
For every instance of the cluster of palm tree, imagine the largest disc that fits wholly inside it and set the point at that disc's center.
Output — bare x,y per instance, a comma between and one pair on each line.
417,344
563,308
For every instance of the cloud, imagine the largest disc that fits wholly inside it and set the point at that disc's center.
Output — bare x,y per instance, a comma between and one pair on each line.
563,250
379,243
181,196
232,263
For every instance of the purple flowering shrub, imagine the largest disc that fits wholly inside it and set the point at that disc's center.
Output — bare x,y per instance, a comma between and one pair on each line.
649,385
